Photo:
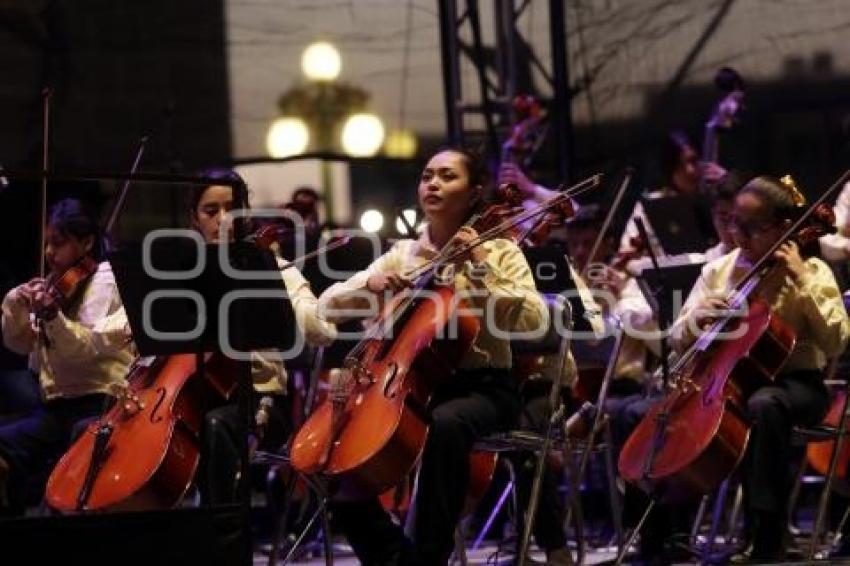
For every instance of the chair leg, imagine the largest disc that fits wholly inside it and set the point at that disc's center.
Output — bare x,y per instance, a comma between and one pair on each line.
735,512
460,546
574,499
542,457
716,515
616,501
327,535
508,491
830,475
698,518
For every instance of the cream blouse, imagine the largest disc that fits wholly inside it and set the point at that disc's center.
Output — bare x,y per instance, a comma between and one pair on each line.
813,307
86,350
503,287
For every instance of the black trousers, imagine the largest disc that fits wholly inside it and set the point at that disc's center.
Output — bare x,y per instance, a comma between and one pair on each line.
32,444
797,398
471,405
223,442
19,393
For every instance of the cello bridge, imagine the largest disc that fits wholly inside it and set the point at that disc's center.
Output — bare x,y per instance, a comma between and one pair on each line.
131,402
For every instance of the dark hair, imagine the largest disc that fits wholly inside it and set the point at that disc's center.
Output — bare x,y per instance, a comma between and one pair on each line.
71,217
779,198
229,176
726,188
476,166
307,191
670,152
589,216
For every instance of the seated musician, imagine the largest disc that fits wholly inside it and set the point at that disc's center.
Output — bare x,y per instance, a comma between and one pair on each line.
632,307
221,439
618,296
482,396
305,202
639,356
682,172
805,296
80,351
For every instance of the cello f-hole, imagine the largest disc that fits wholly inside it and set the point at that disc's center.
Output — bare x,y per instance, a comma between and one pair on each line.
155,417
390,381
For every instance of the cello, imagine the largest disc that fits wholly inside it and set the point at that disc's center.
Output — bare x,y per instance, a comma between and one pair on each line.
143,453
372,429
696,435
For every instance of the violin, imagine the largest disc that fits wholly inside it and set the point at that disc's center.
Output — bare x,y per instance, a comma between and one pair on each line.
527,131
63,288
66,286
695,436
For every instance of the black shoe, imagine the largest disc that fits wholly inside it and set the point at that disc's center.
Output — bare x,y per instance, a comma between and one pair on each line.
743,556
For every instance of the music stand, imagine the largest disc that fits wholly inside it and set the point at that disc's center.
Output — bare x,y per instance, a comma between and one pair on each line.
172,313
668,298
174,308
681,223
552,275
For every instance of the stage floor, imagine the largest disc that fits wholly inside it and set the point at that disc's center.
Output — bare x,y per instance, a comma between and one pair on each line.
487,553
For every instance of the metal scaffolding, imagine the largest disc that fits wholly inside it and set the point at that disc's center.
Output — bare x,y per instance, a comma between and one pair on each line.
499,72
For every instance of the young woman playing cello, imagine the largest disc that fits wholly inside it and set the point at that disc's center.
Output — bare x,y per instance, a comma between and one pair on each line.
221,440
81,351
804,295
481,397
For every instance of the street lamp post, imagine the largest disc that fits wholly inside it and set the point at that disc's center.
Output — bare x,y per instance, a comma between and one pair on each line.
324,103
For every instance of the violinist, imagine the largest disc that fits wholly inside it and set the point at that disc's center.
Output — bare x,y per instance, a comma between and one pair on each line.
482,396
804,294
78,344
221,439
530,192
305,201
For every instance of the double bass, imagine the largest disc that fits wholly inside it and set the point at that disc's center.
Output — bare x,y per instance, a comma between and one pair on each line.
724,116
696,435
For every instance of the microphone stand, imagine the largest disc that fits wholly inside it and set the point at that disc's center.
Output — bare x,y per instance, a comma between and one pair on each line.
661,419
659,289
